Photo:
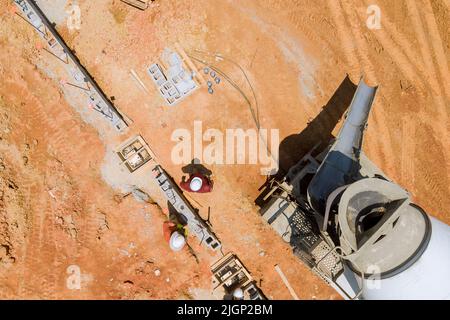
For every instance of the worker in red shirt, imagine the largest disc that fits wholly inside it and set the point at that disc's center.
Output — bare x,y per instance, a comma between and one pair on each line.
197,183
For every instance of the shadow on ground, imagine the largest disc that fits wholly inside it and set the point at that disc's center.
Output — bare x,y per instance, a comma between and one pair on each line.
317,132
195,167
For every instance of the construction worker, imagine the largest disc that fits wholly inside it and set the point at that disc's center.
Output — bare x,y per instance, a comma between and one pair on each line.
177,241
175,234
238,294
198,183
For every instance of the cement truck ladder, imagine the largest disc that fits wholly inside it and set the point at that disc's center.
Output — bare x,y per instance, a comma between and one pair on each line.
320,268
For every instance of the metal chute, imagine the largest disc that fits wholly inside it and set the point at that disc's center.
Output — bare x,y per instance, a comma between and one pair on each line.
341,164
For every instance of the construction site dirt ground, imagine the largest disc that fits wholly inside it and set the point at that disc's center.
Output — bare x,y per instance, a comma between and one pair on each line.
60,205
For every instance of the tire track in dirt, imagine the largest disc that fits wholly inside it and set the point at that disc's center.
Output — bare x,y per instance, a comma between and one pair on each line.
88,225
57,133
441,109
350,53
434,181
297,18
351,19
32,188
427,56
294,12
298,22
399,50
9,280
32,274
344,37
48,253
36,276
293,53
350,23
39,279
55,139
437,45
85,221
58,136
30,117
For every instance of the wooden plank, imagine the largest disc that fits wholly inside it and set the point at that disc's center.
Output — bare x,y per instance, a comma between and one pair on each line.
140,4
286,283
189,63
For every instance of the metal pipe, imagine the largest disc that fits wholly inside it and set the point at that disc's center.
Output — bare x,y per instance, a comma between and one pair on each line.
341,164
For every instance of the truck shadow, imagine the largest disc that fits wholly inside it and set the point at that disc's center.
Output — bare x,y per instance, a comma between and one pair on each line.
317,132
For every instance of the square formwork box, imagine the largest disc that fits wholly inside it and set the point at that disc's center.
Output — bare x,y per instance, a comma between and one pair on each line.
134,153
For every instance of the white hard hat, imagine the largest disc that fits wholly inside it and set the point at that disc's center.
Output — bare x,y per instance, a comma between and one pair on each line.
238,294
177,241
196,184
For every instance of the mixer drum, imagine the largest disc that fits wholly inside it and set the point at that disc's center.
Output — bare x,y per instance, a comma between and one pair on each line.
392,244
